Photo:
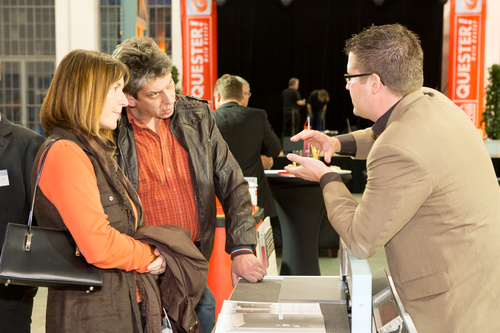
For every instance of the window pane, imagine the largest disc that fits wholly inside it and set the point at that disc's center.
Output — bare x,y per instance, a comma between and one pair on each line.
110,25
160,18
27,50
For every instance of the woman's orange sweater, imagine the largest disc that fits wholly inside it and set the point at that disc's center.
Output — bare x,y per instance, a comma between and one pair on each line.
69,182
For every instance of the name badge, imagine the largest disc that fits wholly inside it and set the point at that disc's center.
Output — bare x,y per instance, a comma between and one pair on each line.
4,178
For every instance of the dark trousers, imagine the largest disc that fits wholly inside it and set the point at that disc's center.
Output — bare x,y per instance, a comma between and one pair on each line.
319,122
291,123
205,310
16,307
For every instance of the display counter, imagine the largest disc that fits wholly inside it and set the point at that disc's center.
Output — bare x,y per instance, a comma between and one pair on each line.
350,302
219,271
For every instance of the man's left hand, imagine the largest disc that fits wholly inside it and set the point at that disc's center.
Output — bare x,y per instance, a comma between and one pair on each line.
309,168
248,267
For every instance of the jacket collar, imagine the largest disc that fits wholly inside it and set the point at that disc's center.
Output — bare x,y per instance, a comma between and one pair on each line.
381,123
5,130
387,118
228,105
5,126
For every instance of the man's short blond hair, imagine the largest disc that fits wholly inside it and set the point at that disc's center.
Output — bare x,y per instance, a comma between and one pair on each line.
229,87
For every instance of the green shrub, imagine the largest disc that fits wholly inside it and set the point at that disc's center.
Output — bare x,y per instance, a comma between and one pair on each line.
491,115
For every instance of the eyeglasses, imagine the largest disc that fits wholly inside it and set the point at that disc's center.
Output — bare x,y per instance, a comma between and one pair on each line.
348,77
247,93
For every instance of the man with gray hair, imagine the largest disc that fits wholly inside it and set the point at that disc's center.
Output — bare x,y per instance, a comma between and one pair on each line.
169,147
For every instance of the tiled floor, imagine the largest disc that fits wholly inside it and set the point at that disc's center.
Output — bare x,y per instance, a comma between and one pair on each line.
329,267
38,317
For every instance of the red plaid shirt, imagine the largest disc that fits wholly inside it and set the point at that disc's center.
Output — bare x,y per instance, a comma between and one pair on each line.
165,185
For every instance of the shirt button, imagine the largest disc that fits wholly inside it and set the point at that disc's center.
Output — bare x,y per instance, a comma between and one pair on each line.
110,198
168,169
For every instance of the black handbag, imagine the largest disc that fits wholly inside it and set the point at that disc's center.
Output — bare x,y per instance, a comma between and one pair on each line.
44,257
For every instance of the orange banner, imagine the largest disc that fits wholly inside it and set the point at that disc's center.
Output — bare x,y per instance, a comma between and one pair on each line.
199,39
466,56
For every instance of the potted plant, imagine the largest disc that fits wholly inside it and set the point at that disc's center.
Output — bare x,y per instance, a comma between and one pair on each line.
175,77
491,114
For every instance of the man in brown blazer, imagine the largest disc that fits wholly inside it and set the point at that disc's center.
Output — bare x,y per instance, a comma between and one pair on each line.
432,198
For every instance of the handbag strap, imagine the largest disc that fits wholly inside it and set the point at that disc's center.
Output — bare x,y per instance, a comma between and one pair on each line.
30,218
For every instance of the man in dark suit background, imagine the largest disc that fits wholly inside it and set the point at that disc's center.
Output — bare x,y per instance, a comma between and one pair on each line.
248,135
18,147
267,161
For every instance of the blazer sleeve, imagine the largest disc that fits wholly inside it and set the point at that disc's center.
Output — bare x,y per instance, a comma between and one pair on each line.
30,153
364,141
397,186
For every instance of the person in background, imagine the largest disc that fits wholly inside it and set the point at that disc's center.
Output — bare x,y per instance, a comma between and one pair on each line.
291,108
246,91
171,150
83,190
432,197
267,161
316,107
249,135
18,148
